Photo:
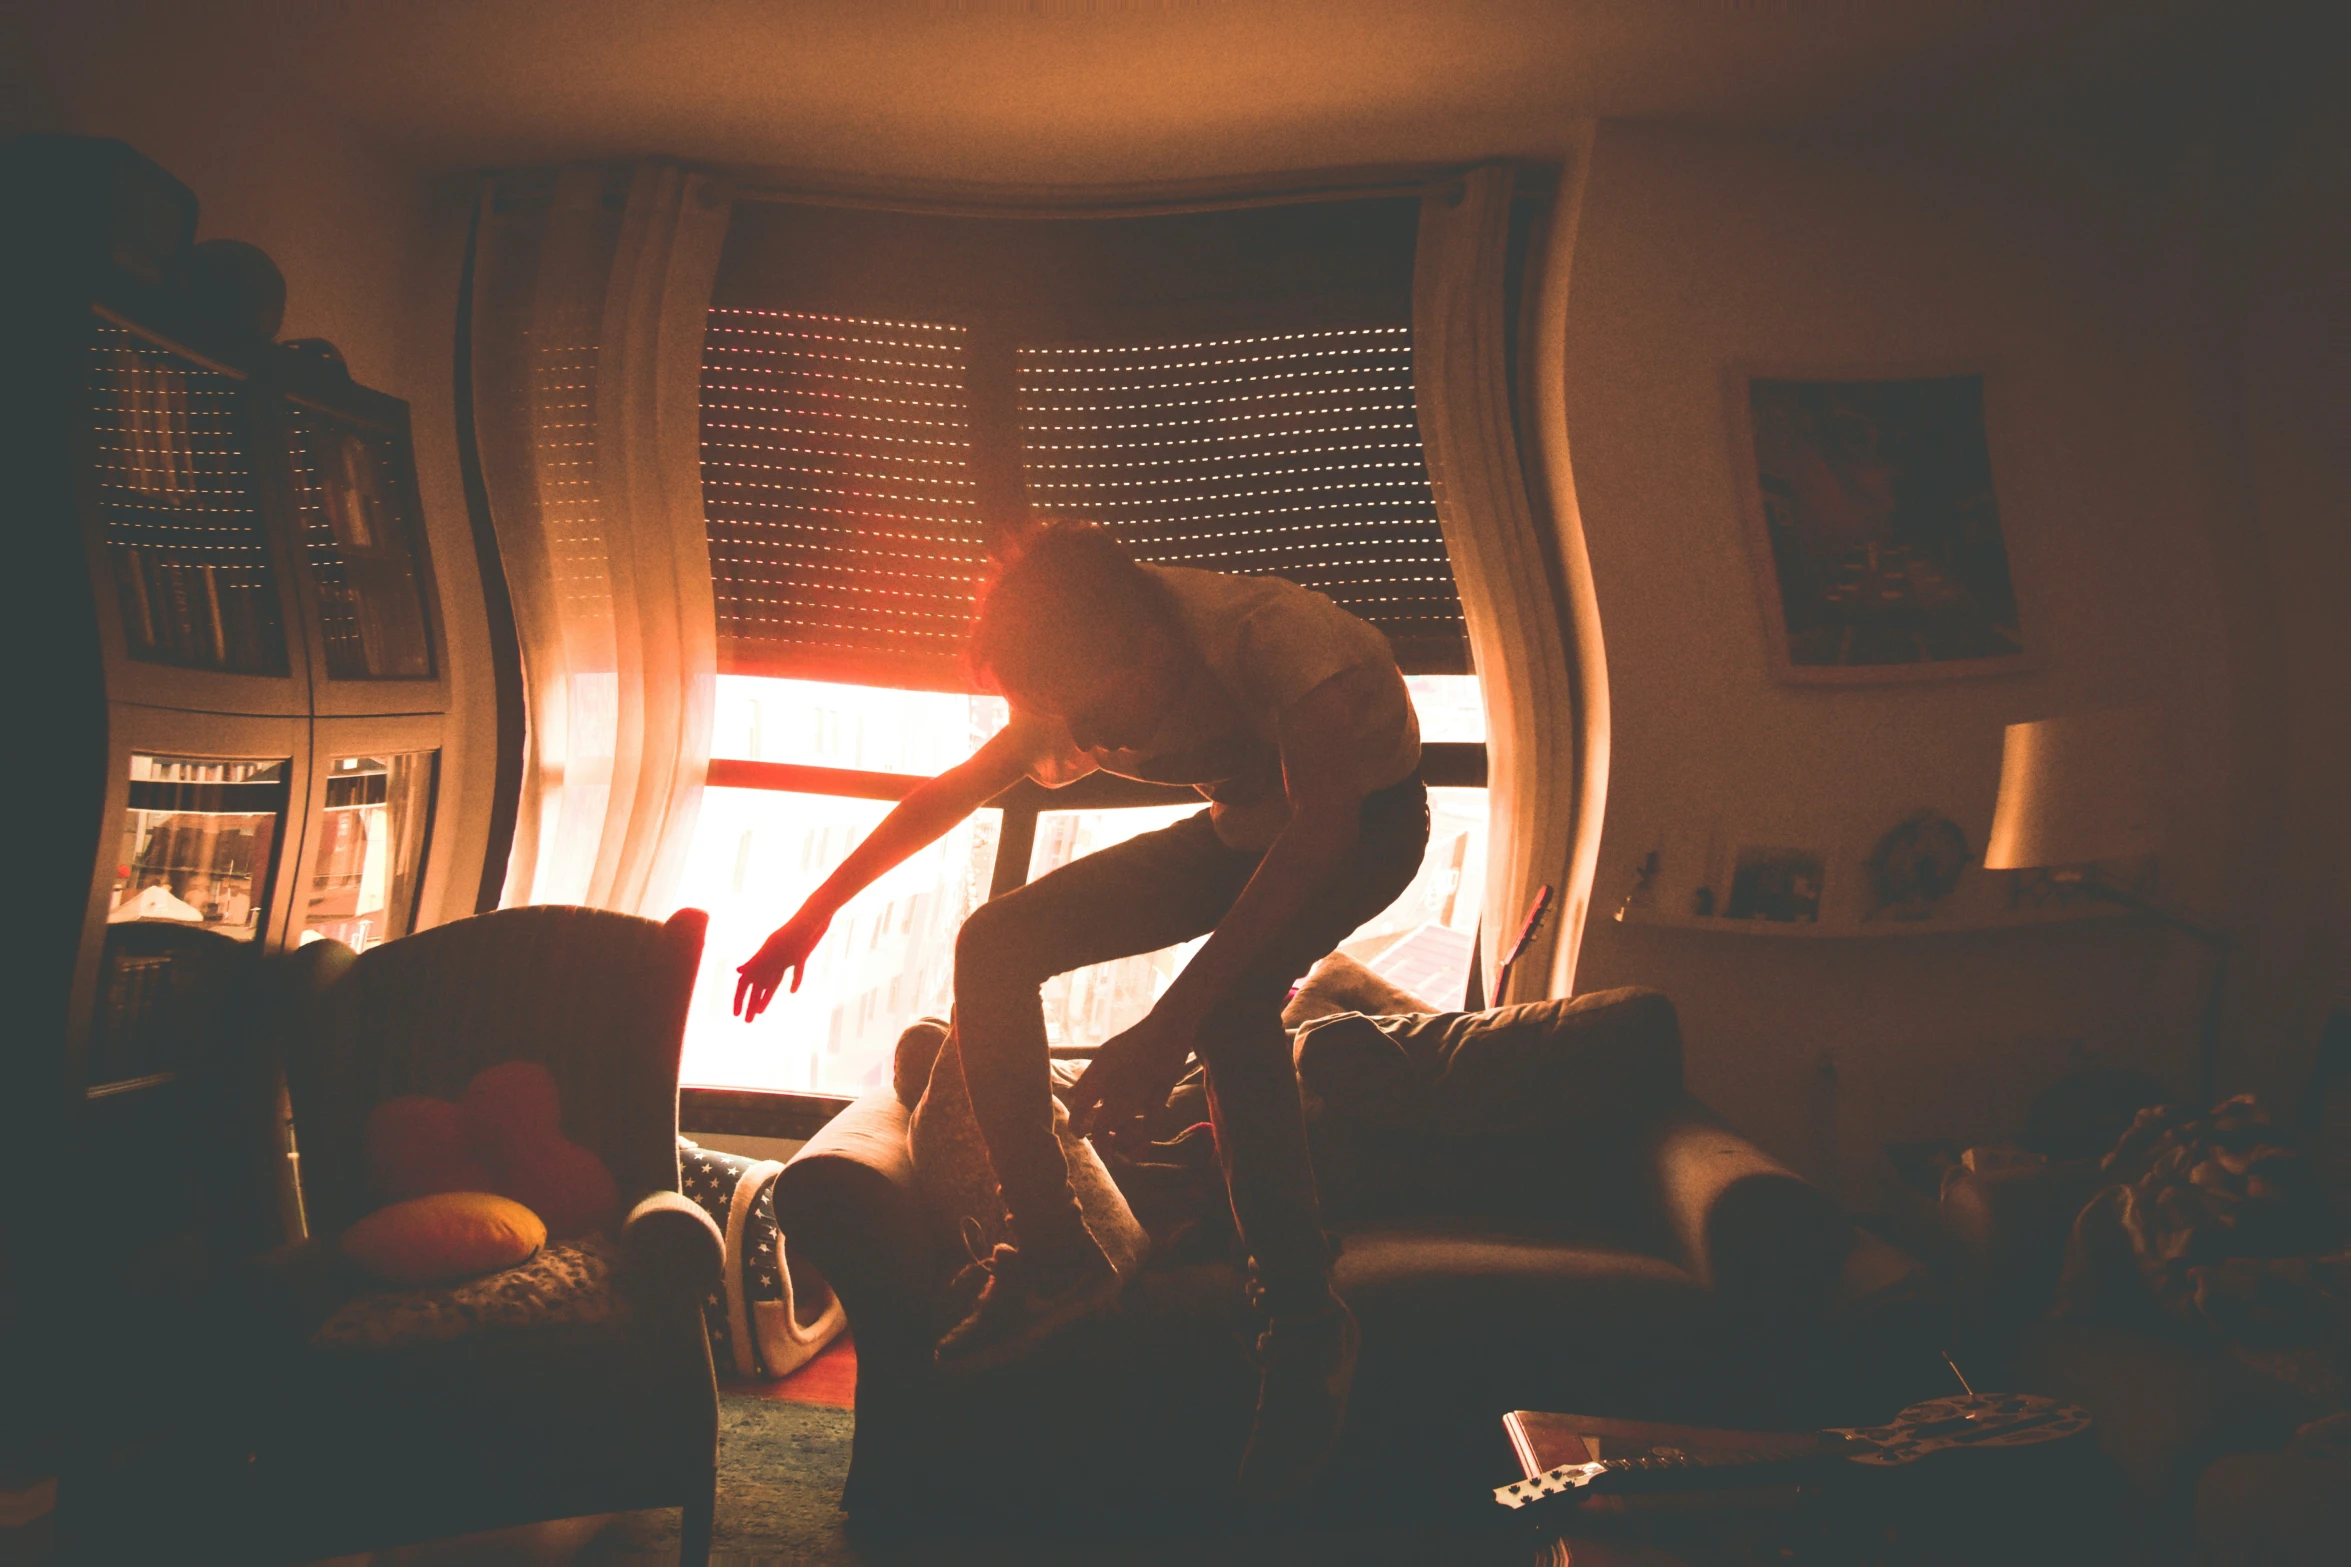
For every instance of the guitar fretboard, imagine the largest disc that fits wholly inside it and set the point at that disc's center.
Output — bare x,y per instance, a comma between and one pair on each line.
1662,1468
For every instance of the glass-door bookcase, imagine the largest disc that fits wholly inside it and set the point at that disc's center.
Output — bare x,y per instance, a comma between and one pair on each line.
195,887
232,676
370,808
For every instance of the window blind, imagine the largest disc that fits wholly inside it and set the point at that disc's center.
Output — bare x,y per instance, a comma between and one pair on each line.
837,490
1291,454
1230,390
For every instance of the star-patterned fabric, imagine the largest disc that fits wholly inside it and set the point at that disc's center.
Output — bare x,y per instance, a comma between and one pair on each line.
754,1267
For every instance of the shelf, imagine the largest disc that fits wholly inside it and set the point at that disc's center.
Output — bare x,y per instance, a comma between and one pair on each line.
1949,924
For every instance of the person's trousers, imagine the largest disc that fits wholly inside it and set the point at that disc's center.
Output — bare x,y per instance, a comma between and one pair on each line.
1152,891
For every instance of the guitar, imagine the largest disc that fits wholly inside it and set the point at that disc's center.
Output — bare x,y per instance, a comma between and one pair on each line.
1969,1420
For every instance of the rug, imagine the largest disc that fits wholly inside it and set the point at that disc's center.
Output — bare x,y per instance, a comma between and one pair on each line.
780,1468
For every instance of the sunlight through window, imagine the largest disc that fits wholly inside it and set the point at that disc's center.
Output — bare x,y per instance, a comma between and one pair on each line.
888,957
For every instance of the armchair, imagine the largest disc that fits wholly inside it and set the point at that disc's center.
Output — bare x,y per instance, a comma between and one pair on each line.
611,1408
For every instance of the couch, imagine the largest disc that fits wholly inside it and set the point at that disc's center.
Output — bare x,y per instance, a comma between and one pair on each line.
1530,1212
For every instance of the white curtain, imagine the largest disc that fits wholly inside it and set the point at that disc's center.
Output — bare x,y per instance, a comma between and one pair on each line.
1511,597
591,284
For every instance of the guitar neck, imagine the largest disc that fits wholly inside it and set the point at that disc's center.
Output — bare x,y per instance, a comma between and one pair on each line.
1655,1472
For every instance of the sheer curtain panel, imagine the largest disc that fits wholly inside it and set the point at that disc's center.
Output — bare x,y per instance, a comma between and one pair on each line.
592,283
1509,601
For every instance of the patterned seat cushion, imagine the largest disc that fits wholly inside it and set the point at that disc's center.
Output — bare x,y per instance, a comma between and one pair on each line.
566,1283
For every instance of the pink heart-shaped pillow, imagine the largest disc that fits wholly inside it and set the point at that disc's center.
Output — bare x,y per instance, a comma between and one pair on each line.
417,1146
504,1136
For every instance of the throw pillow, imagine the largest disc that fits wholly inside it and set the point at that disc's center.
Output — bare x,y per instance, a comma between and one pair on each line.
1340,984
958,1187
447,1236
1537,1069
415,1146
1464,1107
917,1053
567,1282
505,1135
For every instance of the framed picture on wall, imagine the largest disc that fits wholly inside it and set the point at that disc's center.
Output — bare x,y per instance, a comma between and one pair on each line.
1875,526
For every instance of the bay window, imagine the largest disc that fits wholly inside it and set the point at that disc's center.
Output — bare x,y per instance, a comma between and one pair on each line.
881,393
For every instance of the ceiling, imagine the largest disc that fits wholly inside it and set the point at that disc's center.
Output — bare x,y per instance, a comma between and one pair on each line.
1078,92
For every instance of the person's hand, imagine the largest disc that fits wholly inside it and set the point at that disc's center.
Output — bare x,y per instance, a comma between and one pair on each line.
1130,1075
788,948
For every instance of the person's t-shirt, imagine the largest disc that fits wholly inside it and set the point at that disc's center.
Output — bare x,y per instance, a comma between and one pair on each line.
1263,643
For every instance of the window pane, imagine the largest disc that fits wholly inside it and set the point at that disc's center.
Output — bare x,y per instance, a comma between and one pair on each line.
370,849
1089,1005
870,728
886,960
191,894
1451,708
1421,942
359,535
198,842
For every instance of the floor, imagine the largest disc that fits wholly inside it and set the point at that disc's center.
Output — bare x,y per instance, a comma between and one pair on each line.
829,1381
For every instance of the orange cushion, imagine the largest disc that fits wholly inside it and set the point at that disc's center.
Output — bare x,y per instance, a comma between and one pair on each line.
450,1235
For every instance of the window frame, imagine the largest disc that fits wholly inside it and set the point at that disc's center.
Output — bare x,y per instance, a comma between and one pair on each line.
998,320
797,1114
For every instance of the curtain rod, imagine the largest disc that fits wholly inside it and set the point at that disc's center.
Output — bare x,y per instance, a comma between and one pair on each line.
1126,202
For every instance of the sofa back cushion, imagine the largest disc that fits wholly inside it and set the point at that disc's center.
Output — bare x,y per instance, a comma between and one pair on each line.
1504,1109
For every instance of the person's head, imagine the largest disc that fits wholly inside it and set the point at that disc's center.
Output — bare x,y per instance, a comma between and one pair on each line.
1072,626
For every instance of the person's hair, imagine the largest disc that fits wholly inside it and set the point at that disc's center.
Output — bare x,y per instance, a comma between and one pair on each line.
1067,589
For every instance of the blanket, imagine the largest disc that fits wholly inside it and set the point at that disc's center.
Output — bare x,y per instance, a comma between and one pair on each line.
2215,1226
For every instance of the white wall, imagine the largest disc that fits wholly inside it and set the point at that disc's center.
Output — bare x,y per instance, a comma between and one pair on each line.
1701,252
2284,345
371,258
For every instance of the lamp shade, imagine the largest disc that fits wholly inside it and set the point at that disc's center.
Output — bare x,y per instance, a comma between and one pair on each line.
2078,789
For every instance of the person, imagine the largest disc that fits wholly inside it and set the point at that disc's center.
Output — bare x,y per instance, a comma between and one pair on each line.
1290,716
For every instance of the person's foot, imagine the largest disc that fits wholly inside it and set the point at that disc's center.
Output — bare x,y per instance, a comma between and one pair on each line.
1025,1301
1305,1369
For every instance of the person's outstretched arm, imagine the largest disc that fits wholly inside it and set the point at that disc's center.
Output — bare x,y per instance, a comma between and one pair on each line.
929,809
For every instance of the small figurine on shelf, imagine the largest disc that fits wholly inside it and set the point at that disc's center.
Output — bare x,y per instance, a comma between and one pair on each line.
1916,866
1644,893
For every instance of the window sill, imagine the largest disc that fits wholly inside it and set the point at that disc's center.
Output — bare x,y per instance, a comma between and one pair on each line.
755,1112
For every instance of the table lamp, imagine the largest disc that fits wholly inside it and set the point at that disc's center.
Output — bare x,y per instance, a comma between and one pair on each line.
2085,789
